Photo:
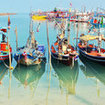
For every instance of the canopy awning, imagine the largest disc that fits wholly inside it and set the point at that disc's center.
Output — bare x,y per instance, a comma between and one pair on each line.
88,37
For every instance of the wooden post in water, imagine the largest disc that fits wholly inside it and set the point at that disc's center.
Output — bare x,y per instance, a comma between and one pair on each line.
49,62
48,44
77,36
16,38
10,67
69,25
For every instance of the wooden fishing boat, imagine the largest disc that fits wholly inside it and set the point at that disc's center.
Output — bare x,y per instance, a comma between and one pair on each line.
57,14
90,51
31,53
67,76
63,51
80,17
4,45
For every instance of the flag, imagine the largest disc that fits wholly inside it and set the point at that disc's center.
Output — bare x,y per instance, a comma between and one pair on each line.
89,30
9,22
38,27
102,21
70,4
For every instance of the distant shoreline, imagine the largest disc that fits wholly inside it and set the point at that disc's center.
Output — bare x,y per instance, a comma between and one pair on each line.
3,14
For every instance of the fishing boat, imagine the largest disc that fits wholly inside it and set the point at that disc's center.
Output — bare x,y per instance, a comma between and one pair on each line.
98,20
67,76
91,51
38,17
5,48
31,53
57,14
61,49
80,17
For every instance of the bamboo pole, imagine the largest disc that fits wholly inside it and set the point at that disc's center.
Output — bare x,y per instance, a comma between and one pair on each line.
99,40
77,36
16,38
69,25
48,45
10,67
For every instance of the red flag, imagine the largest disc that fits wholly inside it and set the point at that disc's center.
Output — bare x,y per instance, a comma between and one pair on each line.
37,30
4,30
9,22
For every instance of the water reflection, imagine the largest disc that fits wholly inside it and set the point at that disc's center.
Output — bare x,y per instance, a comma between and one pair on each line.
29,76
93,70
3,72
67,76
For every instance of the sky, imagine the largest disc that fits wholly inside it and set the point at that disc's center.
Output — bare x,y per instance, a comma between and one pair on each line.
24,6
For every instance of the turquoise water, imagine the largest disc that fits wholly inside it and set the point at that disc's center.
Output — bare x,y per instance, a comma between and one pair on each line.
83,84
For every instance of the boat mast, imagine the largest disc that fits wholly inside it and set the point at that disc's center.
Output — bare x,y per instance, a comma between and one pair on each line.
99,39
32,37
77,35
69,25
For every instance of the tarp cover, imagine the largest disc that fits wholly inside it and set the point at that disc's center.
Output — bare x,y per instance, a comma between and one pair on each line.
88,37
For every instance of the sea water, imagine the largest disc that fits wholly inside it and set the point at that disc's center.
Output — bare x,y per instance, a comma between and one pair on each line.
83,84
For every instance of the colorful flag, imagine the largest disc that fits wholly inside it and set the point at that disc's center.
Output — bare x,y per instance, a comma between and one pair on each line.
102,20
70,4
9,22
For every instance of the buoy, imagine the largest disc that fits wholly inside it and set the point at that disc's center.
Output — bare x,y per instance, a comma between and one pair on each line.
0,82
11,68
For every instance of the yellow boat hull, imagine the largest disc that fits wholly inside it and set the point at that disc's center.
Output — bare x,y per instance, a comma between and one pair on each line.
37,17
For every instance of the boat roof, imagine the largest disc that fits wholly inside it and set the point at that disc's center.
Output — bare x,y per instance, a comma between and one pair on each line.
88,37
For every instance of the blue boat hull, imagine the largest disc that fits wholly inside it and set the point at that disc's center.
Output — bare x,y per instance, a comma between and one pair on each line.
30,59
97,59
